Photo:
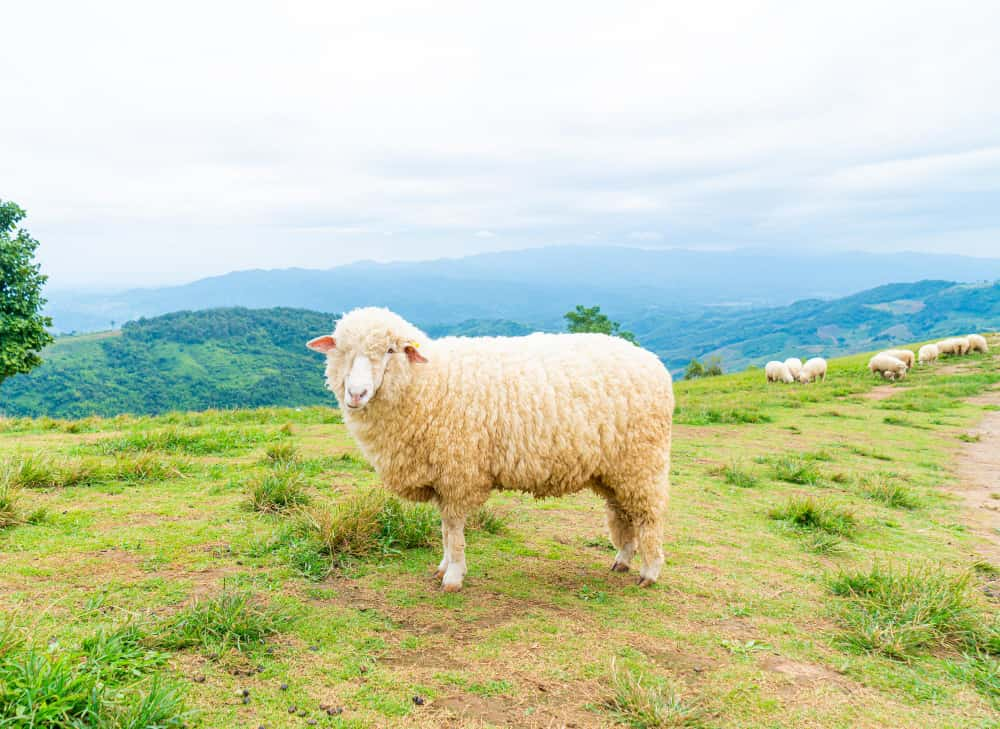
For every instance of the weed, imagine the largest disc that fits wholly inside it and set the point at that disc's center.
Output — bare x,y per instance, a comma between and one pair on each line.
161,706
744,648
11,512
794,470
280,452
488,519
117,653
643,703
735,475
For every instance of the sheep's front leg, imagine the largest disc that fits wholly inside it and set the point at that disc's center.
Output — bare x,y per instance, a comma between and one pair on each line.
443,566
454,540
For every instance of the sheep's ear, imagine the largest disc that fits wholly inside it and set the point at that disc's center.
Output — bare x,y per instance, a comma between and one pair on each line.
322,344
413,355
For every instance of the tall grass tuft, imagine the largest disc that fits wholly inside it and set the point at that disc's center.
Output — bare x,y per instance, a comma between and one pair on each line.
280,453
11,512
489,520
901,613
735,475
646,704
881,488
277,490
811,514
794,470
371,521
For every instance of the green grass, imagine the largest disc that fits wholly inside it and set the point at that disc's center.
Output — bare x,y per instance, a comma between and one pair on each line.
901,612
808,513
795,470
888,491
646,703
279,489
174,440
736,475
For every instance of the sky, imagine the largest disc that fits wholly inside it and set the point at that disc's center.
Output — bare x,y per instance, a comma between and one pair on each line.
161,142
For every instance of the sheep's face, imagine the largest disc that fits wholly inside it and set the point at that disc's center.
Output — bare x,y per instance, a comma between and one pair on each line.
363,367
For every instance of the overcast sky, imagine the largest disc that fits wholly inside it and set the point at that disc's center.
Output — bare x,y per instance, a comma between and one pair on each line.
160,142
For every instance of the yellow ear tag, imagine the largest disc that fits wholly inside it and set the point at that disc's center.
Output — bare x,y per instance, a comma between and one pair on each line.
415,345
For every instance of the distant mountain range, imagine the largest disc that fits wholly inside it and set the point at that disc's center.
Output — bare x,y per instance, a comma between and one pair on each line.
235,357
535,287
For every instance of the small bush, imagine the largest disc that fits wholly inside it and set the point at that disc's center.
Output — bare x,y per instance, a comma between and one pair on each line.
647,704
233,619
879,487
793,470
371,521
900,613
808,513
277,490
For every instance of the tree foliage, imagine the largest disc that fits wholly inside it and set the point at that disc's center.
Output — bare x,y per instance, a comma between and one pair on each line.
22,327
711,367
584,319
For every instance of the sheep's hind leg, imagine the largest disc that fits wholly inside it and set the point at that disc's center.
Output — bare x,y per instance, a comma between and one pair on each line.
622,536
443,566
651,545
455,570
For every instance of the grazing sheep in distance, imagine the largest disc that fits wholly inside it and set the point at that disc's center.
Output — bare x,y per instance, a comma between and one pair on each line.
962,345
889,367
778,372
812,370
928,353
948,346
904,355
448,420
977,343
794,365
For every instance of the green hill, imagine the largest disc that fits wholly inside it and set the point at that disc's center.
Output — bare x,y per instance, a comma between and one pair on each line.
218,358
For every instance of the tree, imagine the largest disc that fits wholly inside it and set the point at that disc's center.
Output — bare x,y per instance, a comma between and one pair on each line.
712,367
583,319
22,327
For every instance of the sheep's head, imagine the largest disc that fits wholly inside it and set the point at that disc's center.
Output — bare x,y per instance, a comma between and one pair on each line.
369,354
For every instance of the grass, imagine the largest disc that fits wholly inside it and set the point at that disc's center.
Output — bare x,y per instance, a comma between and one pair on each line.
644,703
888,491
11,511
235,619
902,612
150,577
278,490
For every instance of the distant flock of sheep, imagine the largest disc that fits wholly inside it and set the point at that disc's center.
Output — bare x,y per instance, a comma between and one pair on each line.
893,364
792,370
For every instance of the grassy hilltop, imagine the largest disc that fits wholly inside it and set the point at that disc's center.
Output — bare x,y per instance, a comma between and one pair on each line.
243,565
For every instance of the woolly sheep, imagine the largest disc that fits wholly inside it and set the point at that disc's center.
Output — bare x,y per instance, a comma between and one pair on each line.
889,367
977,343
778,372
812,370
947,346
794,365
928,353
448,420
904,355
962,345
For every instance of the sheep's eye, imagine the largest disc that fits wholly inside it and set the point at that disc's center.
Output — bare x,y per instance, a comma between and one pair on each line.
391,351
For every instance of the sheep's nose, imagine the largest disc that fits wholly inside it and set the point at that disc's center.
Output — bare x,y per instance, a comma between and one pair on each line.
355,397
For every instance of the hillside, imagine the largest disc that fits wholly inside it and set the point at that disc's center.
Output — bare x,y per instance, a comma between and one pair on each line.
221,358
535,286
248,358
217,562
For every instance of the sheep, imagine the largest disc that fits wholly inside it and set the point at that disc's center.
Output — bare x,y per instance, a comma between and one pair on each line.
794,365
977,343
947,346
904,355
962,345
448,420
889,367
812,370
778,372
928,353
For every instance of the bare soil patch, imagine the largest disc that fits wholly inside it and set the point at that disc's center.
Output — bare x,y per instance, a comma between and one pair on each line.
979,481
879,392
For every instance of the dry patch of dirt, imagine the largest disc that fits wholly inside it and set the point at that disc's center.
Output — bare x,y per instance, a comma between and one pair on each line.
979,481
879,392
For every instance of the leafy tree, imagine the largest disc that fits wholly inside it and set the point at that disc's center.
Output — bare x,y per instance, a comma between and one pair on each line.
583,319
22,326
712,367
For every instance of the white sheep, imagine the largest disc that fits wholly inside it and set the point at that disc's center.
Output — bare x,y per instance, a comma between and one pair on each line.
778,372
904,355
962,345
948,346
794,365
977,343
814,369
889,367
928,353
451,419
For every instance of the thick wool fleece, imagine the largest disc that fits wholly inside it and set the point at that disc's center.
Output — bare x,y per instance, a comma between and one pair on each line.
928,353
794,365
549,414
888,366
776,371
812,370
903,355
977,343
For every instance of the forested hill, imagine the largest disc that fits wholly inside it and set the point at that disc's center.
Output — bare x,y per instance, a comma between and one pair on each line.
188,360
221,358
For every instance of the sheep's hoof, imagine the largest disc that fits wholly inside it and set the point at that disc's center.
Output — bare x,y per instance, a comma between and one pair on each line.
451,586
646,582
438,573
619,567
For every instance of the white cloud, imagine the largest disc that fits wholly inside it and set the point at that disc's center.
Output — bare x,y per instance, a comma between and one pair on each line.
154,142
645,235
485,234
